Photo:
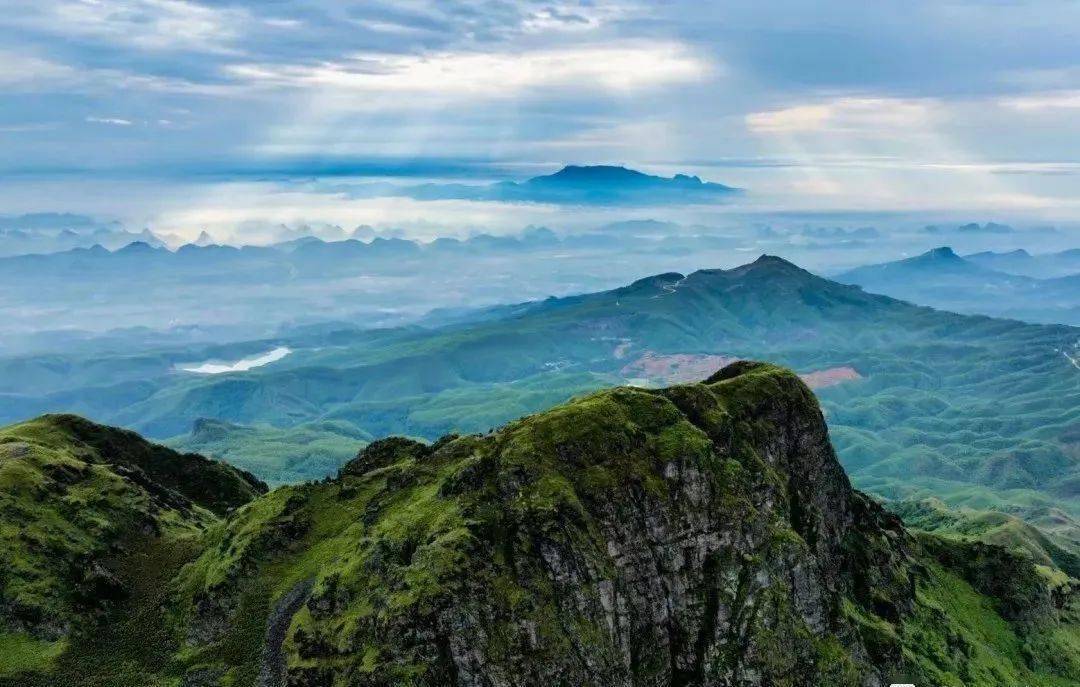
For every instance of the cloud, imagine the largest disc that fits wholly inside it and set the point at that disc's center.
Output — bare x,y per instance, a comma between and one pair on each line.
867,115
570,17
113,121
797,118
1052,100
452,75
913,92
29,71
143,24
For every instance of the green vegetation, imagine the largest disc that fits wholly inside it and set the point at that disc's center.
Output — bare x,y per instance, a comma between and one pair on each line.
1061,551
702,533
277,455
80,507
957,637
483,538
21,654
980,413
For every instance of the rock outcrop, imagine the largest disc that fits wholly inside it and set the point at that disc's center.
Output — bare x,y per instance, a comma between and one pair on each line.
702,534
697,535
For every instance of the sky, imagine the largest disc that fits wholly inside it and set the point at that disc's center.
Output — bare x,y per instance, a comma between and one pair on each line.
185,112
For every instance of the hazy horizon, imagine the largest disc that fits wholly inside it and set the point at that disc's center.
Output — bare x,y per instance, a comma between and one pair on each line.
182,116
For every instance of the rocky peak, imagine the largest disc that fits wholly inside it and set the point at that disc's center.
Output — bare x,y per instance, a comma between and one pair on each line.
702,534
941,253
593,174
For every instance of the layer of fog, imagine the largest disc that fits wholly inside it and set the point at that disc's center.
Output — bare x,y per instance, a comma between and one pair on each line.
53,307
212,367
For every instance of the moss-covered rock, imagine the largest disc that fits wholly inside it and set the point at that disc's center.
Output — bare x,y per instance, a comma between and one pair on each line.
701,534
76,501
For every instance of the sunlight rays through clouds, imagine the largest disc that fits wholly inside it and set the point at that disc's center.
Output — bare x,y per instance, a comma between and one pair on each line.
946,106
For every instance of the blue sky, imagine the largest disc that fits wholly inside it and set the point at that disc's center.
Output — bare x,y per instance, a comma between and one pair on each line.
842,104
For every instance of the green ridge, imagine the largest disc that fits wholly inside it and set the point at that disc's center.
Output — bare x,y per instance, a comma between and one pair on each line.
697,534
77,500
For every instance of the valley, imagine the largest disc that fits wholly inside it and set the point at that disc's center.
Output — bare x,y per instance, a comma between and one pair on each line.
508,343
920,403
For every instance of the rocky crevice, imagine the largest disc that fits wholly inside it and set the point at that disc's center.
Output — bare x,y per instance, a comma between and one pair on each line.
272,665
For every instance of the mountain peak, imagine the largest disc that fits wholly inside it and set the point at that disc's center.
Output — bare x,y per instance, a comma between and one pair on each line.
595,173
617,174
775,260
137,247
941,253
773,265
596,519
619,179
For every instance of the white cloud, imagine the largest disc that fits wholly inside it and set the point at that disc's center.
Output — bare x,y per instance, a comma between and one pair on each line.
466,74
1051,100
25,73
882,115
27,128
798,118
114,121
29,71
567,18
142,24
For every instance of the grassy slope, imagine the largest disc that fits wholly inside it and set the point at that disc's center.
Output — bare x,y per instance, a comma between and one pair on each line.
277,455
993,527
76,499
397,534
980,412
957,638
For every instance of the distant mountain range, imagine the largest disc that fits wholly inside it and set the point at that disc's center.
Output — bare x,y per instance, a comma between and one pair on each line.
1021,262
311,257
258,289
971,228
898,382
15,242
943,279
574,185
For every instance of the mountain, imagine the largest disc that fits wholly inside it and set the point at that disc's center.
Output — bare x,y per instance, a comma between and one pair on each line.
257,290
612,184
942,279
573,184
83,508
1043,546
14,242
916,398
204,239
937,261
700,534
971,228
1020,262
282,455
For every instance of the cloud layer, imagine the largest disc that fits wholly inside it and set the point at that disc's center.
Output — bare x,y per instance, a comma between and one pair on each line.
231,87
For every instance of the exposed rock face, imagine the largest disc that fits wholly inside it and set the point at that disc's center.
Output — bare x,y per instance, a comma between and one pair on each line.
700,534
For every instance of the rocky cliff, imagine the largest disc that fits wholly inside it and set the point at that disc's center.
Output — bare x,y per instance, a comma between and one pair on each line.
702,534
697,535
